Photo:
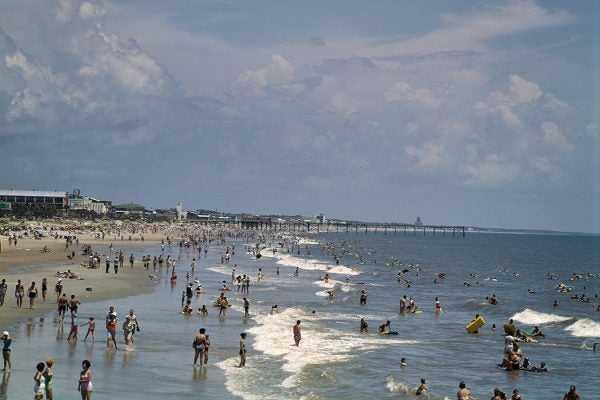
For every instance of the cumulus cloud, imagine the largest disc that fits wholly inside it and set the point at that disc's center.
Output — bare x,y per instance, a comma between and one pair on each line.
91,10
278,72
402,92
553,139
342,104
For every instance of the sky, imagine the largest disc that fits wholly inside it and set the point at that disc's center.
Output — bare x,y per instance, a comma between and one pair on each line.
461,112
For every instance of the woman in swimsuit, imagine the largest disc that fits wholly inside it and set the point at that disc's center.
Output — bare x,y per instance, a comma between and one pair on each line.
40,382
85,381
19,293
48,374
6,351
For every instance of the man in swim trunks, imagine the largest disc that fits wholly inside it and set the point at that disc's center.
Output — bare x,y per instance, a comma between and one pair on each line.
297,333
199,346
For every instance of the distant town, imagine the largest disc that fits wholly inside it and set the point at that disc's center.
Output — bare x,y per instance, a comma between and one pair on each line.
38,204
74,204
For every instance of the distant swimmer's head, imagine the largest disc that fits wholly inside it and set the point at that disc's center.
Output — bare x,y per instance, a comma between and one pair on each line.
462,385
403,362
243,335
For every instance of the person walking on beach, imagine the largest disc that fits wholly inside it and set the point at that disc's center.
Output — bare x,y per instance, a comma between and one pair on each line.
58,289
91,328
44,289
3,290
135,325
74,327
242,350
107,264
19,293
116,264
7,341
199,346
111,330
62,307
74,304
48,375
85,381
297,333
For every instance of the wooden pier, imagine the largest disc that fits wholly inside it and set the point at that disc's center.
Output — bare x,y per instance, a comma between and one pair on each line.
264,223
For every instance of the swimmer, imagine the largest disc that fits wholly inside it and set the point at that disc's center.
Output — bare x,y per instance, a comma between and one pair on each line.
364,327
422,389
274,309
403,362
537,332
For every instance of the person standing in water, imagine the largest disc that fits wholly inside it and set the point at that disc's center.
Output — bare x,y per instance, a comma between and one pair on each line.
49,374
39,389
7,340
242,350
85,381
199,345
297,333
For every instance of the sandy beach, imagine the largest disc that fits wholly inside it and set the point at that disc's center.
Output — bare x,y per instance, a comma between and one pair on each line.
32,259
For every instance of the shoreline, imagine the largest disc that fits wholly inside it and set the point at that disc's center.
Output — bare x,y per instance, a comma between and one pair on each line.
29,263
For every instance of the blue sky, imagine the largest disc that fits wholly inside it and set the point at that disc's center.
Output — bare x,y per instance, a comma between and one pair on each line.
461,112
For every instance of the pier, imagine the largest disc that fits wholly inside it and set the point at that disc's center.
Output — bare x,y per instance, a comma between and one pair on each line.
265,223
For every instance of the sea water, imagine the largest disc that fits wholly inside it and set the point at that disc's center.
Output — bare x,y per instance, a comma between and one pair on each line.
334,360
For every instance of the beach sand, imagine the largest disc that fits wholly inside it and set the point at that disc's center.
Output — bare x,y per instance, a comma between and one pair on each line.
28,263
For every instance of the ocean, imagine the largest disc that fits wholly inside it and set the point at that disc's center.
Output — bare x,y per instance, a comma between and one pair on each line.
334,360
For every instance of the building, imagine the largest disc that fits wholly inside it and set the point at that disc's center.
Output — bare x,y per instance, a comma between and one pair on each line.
78,202
48,199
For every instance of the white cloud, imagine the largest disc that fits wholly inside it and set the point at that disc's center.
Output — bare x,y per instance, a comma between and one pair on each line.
402,92
342,104
91,11
428,155
522,91
544,167
553,139
278,72
494,171
464,32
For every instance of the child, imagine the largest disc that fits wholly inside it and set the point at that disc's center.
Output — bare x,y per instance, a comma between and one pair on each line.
203,311
206,347
91,327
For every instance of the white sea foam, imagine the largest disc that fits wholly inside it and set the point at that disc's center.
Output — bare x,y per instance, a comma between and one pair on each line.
530,317
220,270
584,328
273,336
314,265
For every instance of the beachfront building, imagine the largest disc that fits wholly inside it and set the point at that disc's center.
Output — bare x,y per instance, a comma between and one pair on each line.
55,199
34,203
78,202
